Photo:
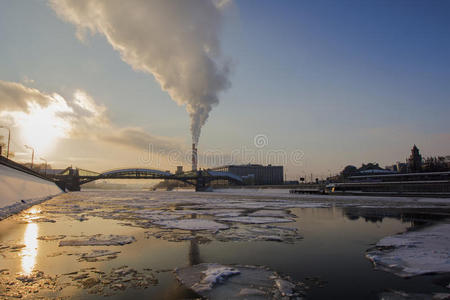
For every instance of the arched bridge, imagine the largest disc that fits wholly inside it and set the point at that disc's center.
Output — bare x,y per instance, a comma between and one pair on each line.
72,179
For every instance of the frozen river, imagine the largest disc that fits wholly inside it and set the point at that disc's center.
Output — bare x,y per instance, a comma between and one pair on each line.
243,244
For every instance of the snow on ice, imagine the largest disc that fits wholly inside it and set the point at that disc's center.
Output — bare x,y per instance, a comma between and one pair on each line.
414,252
216,281
99,240
256,220
193,224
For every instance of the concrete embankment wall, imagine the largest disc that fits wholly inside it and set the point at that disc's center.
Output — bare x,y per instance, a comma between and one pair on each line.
19,190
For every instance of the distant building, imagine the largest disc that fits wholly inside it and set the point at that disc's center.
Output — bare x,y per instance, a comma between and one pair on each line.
179,170
436,164
373,168
392,168
376,171
402,167
256,174
292,182
415,160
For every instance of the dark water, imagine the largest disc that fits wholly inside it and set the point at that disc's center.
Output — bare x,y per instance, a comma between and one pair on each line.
332,249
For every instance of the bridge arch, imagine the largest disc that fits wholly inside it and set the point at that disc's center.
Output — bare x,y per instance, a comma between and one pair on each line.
134,171
128,173
72,179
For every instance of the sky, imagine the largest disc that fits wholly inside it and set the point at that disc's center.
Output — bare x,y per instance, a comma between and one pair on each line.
312,85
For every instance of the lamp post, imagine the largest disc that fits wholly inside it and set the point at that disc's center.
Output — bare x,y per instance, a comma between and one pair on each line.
45,165
32,155
9,139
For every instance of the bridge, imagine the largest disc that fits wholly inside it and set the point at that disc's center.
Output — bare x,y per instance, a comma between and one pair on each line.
71,179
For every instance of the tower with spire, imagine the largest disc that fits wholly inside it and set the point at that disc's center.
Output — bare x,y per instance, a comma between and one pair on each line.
415,160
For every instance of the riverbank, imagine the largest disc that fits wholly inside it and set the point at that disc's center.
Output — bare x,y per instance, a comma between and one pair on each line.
21,189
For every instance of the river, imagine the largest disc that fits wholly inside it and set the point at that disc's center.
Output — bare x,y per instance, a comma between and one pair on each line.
127,244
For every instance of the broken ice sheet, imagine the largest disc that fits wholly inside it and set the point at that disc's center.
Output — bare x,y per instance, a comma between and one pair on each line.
414,252
99,255
216,281
99,240
28,286
177,236
225,212
192,224
109,283
214,274
51,237
270,213
259,233
256,220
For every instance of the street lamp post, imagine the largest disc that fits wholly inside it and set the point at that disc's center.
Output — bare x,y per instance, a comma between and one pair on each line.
32,154
9,139
45,165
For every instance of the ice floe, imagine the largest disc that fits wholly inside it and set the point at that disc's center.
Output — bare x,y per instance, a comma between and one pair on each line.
270,213
99,240
256,220
108,283
193,224
225,212
400,295
26,286
217,281
286,288
213,274
259,233
94,255
51,237
414,252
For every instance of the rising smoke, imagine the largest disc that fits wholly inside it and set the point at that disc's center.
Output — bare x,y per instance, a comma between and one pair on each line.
176,41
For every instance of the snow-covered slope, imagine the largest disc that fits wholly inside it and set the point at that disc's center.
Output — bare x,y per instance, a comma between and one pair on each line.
19,190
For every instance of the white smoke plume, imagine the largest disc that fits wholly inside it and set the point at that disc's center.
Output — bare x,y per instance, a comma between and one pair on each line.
176,41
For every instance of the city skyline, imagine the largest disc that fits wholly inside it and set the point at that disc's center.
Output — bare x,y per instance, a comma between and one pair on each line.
338,83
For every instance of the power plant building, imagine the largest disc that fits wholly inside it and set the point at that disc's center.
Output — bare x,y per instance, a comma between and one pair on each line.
256,174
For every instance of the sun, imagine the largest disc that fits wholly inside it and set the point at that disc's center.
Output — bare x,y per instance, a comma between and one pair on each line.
39,129
42,126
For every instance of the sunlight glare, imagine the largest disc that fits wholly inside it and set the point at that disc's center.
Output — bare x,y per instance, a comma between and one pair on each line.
29,252
43,125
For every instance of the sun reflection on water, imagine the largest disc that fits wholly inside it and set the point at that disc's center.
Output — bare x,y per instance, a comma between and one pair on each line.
29,252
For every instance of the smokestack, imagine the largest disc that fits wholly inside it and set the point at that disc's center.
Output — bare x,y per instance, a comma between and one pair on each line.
194,158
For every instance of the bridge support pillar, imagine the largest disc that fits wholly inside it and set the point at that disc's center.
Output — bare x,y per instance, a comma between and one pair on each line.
70,182
202,185
74,185
61,184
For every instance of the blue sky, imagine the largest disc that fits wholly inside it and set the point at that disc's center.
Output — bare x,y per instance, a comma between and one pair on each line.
345,82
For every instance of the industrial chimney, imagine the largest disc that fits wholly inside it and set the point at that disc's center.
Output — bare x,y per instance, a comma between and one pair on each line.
194,158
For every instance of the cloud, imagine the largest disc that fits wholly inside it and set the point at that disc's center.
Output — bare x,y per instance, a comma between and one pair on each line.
139,139
177,41
17,97
79,117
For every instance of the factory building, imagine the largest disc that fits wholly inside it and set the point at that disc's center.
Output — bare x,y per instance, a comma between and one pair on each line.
256,174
